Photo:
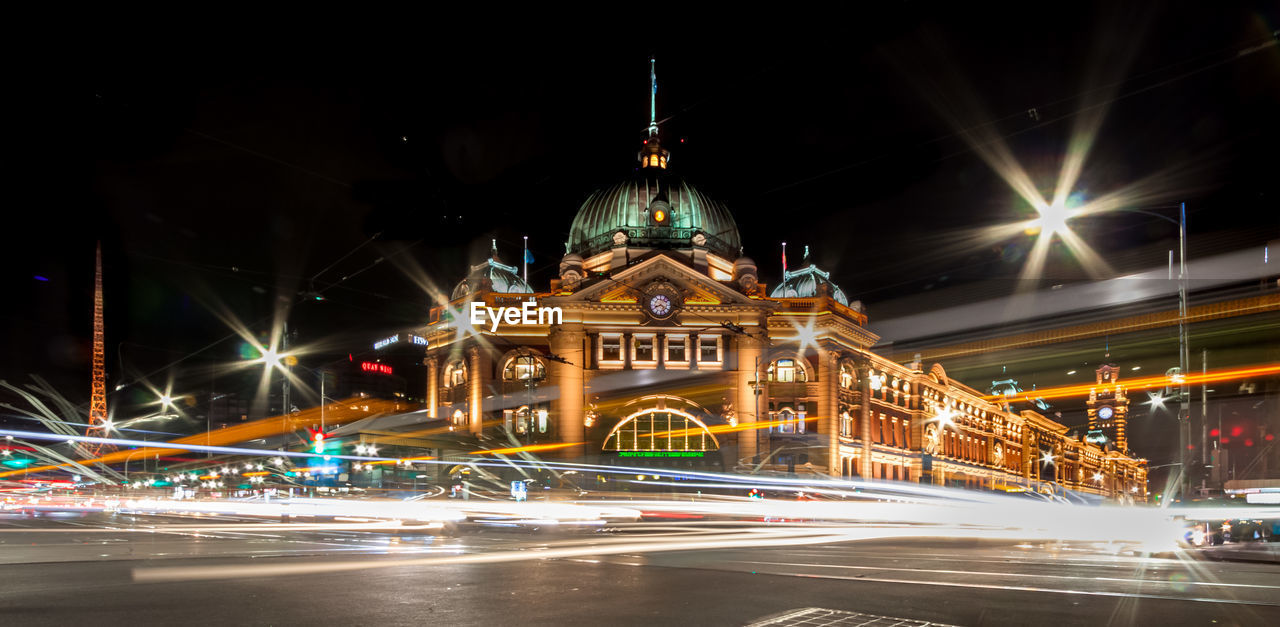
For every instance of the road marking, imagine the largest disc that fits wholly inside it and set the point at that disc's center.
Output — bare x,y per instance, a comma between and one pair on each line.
953,584
1006,574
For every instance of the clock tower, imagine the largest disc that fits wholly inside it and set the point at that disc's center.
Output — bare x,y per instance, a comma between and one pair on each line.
1108,410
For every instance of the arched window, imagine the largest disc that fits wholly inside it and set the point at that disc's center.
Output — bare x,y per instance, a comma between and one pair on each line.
458,418
787,371
455,374
524,419
788,420
847,376
524,368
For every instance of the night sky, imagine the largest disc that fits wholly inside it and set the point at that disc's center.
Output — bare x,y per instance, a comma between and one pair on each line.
225,167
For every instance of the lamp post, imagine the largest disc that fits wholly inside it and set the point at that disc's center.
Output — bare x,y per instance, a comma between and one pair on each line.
1184,355
1184,359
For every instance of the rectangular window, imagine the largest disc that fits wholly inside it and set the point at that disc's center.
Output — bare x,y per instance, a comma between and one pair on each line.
610,348
643,348
677,349
708,349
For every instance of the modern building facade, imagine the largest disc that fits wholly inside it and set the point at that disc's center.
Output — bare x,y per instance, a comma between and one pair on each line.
670,351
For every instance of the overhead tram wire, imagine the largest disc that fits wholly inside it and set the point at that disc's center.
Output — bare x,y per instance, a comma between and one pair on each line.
238,274
1252,47
298,300
721,324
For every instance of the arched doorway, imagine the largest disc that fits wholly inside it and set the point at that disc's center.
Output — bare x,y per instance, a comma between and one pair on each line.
660,430
664,433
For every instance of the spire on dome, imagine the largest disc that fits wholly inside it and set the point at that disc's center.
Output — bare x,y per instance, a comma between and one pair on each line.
653,155
653,98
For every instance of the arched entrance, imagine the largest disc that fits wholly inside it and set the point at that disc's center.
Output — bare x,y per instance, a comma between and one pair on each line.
664,430
667,432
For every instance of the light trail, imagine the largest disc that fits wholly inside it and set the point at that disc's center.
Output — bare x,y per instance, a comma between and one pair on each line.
277,570
1141,383
230,450
1018,519
742,426
342,412
532,448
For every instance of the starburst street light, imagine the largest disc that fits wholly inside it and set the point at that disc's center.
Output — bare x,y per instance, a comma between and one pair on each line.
945,417
1052,220
1155,400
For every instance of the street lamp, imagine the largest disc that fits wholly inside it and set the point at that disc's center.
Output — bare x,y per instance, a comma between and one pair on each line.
1053,219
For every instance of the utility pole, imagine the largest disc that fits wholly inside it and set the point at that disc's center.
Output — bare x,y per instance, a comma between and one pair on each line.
1204,407
1184,356
284,385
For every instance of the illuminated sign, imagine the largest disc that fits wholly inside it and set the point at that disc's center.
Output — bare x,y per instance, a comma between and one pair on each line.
1096,436
527,313
661,453
395,339
369,366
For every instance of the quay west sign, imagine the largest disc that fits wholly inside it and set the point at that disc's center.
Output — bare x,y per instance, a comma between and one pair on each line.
528,313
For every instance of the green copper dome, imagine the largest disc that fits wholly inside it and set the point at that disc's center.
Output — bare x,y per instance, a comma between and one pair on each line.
633,207
803,282
492,276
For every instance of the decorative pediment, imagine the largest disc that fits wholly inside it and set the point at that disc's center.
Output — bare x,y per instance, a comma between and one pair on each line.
627,285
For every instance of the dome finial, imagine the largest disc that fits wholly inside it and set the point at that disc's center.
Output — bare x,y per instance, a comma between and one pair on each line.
653,155
653,98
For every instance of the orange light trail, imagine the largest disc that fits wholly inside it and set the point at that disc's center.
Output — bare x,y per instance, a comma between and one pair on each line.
526,449
742,426
401,460
1141,383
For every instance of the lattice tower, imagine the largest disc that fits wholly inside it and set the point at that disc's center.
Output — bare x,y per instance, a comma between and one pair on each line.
98,393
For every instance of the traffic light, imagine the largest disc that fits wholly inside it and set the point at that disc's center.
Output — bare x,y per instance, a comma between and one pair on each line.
317,441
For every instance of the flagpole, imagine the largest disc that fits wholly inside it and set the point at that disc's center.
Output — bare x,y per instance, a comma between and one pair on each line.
784,257
525,259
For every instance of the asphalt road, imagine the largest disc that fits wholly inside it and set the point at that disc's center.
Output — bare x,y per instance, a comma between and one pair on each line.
70,570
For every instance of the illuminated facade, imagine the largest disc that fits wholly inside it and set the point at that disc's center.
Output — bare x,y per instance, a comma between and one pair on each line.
1108,409
672,352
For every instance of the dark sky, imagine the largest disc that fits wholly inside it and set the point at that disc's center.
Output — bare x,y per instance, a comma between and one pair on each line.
223,167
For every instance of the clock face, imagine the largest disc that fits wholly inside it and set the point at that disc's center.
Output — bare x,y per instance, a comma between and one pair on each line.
1105,412
660,305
